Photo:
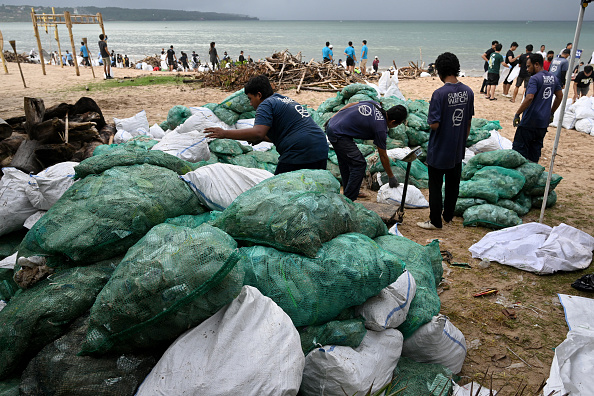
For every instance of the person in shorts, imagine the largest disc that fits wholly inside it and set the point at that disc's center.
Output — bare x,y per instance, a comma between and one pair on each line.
581,85
524,76
364,52
351,58
170,57
495,63
511,60
486,57
84,52
106,58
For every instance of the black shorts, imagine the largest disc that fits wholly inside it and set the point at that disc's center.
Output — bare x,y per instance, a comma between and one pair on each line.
326,60
522,80
350,61
492,78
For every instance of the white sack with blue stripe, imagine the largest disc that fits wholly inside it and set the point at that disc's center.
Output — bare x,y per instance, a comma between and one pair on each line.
389,308
190,146
218,185
438,341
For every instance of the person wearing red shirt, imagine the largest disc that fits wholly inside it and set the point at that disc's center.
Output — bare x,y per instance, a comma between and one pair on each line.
547,62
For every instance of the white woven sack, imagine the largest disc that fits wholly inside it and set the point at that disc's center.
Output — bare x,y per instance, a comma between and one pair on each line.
438,341
122,137
208,114
389,308
334,370
15,207
135,125
157,132
249,348
492,143
393,196
218,185
196,122
191,146
44,189
585,125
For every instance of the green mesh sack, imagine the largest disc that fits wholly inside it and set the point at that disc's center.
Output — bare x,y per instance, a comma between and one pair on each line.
331,103
366,149
238,102
225,147
390,101
491,216
165,126
334,170
58,370
489,126
531,172
416,137
400,174
177,115
393,143
399,133
37,316
539,187
360,97
419,107
9,243
170,281
421,379
504,158
464,203
193,221
248,115
10,387
476,135
104,148
246,161
418,170
424,265
413,121
8,287
102,216
321,118
353,89
492,183
478,123
297,221
226,115
212,160
347,271
348,332
551,200
131,155
520,204
269,157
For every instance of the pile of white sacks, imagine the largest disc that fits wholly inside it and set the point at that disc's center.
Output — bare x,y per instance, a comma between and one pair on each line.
578,115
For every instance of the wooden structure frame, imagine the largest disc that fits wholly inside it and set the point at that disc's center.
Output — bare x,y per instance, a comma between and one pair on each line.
67,19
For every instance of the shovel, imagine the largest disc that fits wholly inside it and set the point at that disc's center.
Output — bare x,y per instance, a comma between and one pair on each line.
398,216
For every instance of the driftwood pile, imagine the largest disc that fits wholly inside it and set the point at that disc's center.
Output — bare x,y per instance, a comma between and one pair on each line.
44,137
284,70
154,61
411,71
23,58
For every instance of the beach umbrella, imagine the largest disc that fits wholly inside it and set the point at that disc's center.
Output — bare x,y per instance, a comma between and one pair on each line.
578,30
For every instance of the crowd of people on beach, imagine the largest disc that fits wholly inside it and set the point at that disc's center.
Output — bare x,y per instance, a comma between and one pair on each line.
170,61
351,58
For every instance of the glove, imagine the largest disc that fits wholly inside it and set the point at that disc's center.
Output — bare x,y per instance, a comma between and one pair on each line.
552,118
393,182
516,120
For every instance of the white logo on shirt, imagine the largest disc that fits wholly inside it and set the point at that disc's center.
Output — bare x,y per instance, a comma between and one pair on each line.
547,93
365,110
302,111
548,79
285,99
553,68
457,117
378,115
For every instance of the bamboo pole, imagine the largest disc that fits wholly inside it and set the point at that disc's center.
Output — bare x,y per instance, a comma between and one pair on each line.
2,53
13,45
58,40
35,28
90,58
69,26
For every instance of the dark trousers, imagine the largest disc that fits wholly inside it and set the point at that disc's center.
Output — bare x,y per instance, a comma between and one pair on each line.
452,187
528,142
284,168
484,86
352,165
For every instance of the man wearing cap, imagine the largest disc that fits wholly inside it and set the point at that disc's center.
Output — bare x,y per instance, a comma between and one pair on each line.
560,65
327,53
375,64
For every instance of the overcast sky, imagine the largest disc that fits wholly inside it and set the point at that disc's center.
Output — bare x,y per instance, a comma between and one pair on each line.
524,10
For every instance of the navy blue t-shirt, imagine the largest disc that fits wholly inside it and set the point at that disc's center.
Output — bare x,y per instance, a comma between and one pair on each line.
543,86
453,107
298,139
361,121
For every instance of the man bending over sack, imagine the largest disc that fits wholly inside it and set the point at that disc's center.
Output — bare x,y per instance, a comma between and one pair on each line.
363,120
300,142
450,113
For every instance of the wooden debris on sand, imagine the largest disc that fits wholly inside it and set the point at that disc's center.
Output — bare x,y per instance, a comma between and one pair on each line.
411,71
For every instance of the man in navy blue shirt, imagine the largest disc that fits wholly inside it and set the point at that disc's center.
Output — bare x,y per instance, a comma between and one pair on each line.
450,112
300,142
536,109
363,120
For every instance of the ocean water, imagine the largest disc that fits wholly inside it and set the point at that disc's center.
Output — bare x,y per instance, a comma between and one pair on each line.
389,40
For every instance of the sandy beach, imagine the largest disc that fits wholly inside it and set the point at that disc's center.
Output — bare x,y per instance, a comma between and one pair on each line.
495,342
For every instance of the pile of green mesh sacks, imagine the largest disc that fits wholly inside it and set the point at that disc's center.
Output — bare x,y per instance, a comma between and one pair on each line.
499,187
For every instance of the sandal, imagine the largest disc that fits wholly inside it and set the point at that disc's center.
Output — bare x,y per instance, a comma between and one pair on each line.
493,99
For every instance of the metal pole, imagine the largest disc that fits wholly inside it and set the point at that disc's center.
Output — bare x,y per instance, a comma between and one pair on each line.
578,29
34,19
